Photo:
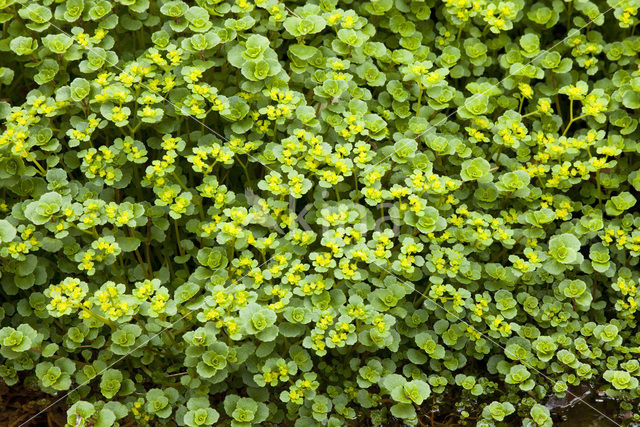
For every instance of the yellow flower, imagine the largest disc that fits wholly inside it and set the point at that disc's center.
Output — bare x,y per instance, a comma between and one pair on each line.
525,90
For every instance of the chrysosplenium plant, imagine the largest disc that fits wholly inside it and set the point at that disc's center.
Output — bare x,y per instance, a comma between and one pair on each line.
233,212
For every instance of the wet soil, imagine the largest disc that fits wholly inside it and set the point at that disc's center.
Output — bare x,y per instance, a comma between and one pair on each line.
586,407
19,404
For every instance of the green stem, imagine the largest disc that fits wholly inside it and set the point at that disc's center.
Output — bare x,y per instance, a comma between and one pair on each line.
117,273
571,121
171,338
92,234
175,223
146,370
521,104
134,129
104,320
570,110
419,98
180,250
148,275
179,181
599,189
246,172
355,180
41,170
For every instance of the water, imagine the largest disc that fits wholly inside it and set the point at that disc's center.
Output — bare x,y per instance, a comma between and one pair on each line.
585,407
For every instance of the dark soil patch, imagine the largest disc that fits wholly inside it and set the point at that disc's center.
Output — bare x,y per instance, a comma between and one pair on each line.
18,404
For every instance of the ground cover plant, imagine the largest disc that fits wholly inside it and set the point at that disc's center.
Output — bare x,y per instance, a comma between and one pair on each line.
233,212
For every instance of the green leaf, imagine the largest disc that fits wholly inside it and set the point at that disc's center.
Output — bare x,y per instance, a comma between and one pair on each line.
128,244
7,231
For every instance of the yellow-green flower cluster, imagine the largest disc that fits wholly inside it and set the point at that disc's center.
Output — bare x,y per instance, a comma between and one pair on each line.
112,300
66,297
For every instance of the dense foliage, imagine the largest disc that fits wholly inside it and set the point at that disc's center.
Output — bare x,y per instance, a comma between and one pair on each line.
319,213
